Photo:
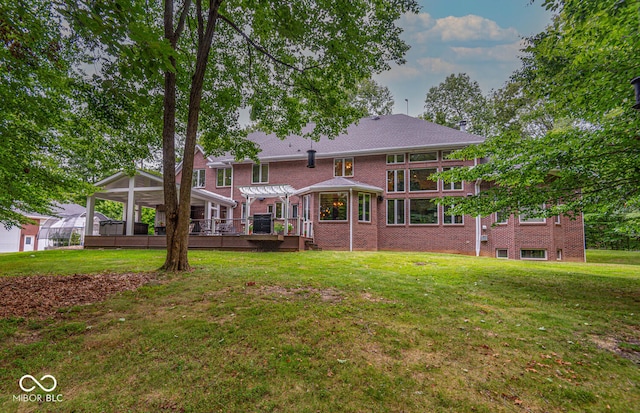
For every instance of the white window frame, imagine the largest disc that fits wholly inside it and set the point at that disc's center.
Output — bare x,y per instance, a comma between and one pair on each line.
506,251
199,178
397,212
437,214
227,175
344,167
497,218
445,153
546,255
394,172
422,190
451,186
364,207
394,159
452,217
423,153
274,208
262,168
345,194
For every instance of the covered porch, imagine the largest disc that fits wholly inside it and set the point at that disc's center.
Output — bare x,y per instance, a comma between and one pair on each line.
210,227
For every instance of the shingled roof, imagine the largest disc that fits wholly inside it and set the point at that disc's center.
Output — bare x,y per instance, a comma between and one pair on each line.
382,134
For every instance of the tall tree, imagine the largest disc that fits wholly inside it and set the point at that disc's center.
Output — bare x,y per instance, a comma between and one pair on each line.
578,70
57,131
372,98
291,63
457,98
34,62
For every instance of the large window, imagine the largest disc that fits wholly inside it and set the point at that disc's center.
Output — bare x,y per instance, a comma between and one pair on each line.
198,179
423,156
395,180
451,186
364,207
419,180
260,173
533,254
395,211
334,206
423,211
451,219
224,176
394,159
343,166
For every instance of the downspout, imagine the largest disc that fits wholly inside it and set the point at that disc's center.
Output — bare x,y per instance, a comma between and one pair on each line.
478,217
350,219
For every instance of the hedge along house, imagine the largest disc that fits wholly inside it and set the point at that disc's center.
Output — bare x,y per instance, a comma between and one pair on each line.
370,189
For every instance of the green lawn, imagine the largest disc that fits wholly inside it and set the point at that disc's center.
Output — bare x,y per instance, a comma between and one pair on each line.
333,332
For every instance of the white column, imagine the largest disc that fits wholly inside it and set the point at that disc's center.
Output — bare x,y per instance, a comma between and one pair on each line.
131,203
88,223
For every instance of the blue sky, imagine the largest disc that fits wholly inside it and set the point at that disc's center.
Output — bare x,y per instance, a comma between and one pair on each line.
479,37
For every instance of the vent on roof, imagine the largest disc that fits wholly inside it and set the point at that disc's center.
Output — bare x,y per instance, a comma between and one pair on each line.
463,125
374,117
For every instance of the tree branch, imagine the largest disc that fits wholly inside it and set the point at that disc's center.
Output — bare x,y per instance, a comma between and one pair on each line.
183,18
260,48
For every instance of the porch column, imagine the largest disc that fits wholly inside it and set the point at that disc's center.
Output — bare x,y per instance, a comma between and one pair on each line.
131,203
350,203
88,223
248,214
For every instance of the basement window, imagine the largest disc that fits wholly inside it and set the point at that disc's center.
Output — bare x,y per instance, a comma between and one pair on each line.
533,254
502,253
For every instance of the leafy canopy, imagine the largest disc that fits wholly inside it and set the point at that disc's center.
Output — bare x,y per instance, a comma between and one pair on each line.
575,77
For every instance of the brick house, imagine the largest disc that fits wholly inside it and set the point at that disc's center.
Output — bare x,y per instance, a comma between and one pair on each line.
369,189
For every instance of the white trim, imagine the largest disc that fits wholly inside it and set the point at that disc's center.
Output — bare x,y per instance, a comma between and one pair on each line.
344,167
502,249
423,190
424,152
546,254
353,153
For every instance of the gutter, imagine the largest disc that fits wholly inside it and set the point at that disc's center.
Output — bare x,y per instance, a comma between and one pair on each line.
329,155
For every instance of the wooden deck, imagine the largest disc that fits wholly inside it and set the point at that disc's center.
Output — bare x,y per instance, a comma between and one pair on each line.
284,243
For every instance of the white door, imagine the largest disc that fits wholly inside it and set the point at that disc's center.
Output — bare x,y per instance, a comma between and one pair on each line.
28,243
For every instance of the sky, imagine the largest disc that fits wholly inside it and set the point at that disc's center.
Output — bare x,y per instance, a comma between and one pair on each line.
481,38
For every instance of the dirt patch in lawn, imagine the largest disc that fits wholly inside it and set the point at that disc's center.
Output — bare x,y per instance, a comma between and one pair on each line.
327,295
628,348
42,296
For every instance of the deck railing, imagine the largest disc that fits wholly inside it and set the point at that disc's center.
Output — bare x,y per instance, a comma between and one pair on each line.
237,226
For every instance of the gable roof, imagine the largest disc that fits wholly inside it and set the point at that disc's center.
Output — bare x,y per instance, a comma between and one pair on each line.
372,135
339,184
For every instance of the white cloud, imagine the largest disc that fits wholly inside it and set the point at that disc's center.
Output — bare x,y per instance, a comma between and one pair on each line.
503,53
423,27
403,72
437,65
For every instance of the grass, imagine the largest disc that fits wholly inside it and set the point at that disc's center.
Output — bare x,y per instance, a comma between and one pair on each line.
613,257
334,332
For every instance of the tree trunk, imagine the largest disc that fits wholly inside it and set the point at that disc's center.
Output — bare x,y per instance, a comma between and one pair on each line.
174,260
179,213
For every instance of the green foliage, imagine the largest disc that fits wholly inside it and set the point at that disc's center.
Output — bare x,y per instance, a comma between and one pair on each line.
113,210
456,99
34,62
614,231
372,99
583,154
